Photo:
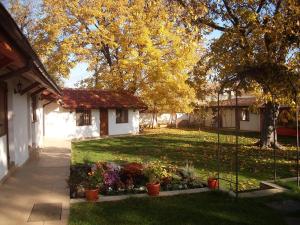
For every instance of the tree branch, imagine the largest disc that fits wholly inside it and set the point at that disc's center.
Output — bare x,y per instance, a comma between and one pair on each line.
106,53
210,24
277,6
261,4
233,17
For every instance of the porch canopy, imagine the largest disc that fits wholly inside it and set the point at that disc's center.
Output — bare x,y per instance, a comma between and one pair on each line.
19,60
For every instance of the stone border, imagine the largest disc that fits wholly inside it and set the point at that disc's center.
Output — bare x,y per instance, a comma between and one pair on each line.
103,198
273,189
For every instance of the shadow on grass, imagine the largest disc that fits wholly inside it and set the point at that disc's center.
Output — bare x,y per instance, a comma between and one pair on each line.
177,149
203,208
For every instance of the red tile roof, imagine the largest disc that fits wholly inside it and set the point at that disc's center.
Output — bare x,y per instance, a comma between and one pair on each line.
242,102
95,98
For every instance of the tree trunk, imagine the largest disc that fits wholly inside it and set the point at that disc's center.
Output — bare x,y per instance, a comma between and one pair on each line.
268,137
154,120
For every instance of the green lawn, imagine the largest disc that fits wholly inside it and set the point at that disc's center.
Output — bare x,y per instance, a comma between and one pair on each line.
177,146
204,208
291,185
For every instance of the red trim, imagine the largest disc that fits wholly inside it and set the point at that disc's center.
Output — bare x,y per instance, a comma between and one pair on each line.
286,131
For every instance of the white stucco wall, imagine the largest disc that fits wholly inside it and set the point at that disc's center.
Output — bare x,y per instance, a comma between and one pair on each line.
132,127
22,133
162,118
3,156
37,127
253,124
208,118
20,128
61,124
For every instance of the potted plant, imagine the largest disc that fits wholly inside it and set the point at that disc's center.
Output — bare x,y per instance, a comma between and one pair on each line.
94,182
212,181
154,172
153,185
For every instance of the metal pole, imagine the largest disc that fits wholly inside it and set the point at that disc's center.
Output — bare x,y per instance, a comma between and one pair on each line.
236,146
218,150
297,122
274,147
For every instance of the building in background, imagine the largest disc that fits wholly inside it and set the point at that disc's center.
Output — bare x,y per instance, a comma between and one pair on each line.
88,113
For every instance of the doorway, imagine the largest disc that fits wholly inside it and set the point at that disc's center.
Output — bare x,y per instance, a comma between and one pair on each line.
103,122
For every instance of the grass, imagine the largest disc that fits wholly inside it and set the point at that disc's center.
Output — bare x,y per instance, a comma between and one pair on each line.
292,186
177,146
211,208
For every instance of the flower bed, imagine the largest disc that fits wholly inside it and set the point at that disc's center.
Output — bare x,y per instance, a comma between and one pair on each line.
129,178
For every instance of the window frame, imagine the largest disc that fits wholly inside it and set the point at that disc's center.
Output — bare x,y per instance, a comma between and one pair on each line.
87,117
123,118
246,110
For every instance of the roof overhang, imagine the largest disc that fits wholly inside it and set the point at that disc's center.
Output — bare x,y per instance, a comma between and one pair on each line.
17,56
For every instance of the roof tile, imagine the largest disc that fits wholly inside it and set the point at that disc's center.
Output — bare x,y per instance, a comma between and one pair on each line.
95,98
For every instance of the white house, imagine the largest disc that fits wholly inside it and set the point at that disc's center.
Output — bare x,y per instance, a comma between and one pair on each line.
249,120
22,79
90,113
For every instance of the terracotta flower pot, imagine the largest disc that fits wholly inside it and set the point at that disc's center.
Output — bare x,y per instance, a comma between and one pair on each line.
213,183
92,194
153,189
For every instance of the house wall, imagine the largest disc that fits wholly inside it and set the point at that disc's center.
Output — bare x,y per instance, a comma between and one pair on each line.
3,156
228,120
132,127
20,133
209,118
38,126
20,128
60,123
18,123
162,118
253,124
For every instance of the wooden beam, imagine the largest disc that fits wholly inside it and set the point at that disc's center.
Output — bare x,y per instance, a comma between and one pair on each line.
48,103
15,73
4,61
38,91
30,87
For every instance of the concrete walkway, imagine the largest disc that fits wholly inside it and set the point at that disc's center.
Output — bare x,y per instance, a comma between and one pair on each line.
42,180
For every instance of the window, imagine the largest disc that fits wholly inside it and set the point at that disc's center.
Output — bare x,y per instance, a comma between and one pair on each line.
34,106
83,117
244,115
2,109
121,115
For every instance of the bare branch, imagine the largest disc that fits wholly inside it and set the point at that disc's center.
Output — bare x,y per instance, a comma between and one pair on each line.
277,7
210,24
229,10
261,4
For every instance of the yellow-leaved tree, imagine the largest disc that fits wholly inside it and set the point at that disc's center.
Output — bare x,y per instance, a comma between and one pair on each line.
258,47
141,46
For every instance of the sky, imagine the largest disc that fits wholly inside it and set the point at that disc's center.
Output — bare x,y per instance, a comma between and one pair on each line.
78,73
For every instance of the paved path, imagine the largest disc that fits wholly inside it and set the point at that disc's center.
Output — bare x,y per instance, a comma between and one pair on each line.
41,180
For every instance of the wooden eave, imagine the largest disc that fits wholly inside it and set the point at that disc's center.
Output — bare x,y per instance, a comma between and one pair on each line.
16,53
